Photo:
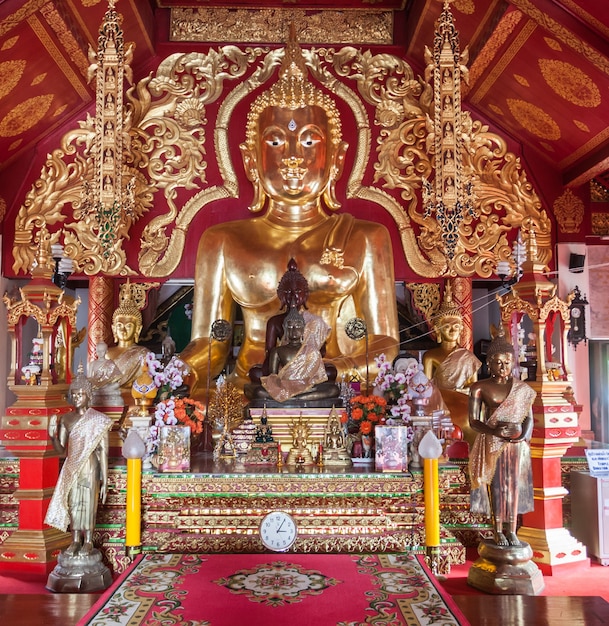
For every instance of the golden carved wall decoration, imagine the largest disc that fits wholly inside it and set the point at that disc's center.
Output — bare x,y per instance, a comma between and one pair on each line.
168,144
426,297
582,126
569,212
600,224
553,44
570,83
534,119
10,75
598,192
25,115
206,24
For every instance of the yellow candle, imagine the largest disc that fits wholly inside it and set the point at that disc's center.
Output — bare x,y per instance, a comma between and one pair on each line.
133,534
431,489
430,450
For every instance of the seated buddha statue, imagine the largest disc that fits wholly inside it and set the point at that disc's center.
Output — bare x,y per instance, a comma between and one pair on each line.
126,354
297,370
335,442
293,154
104,376
451,368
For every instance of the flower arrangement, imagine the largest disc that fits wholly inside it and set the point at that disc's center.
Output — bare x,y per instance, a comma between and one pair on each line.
171,408
368,411
393,385
175,412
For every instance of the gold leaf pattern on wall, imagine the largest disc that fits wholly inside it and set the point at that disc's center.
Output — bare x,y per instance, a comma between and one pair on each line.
60,110
570,83
467,7
2,208
10,74
546,146
488,54
38,79
25,115
9,43
534,119
582,126
569,212
522,80
553,44
15,145
496,109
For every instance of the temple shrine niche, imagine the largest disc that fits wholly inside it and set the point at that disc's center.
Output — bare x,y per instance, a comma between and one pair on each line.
142,179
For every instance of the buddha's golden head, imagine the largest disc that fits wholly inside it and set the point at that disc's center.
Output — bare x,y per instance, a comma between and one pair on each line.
127,323
448,320
293,152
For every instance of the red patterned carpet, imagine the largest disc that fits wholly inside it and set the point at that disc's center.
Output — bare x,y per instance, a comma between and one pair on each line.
267,589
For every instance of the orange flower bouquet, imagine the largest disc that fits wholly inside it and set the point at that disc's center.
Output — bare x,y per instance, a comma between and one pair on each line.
175,412
368,411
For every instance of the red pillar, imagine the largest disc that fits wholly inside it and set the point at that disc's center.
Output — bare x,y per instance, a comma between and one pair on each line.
555,430
33,547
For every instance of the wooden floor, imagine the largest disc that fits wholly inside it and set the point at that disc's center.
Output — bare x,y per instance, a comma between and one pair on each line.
481,610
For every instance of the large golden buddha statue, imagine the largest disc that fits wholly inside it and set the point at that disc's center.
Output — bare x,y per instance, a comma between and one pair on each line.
293,154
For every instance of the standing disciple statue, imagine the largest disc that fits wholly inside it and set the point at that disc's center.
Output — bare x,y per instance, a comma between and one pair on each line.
82,437
293,154
500,411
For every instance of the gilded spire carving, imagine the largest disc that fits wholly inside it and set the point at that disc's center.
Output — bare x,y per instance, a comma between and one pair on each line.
451,197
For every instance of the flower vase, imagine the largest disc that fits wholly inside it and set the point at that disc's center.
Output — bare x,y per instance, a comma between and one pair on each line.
363,450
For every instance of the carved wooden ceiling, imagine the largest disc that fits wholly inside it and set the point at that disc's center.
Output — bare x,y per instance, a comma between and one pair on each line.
538,70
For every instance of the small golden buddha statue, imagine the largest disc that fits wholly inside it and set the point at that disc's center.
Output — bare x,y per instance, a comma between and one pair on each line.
334,449
299,453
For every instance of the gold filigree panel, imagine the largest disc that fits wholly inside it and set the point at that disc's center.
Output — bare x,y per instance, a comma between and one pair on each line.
569,212
169,145
600,224
570,83
271,25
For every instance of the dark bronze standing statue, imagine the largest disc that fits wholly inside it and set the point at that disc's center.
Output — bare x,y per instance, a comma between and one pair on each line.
500,412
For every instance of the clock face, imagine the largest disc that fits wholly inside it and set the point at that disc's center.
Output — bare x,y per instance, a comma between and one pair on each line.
278,531
575,312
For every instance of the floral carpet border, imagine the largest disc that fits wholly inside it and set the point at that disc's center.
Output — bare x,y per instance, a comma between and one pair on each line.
166,589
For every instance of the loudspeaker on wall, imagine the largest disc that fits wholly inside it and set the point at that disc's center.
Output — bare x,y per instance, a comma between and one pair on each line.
576,263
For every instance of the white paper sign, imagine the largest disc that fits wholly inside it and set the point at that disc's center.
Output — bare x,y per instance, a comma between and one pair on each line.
598,461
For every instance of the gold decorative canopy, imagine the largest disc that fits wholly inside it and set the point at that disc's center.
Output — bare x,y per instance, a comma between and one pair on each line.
178,120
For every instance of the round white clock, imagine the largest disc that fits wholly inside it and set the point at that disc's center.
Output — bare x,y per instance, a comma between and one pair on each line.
278,531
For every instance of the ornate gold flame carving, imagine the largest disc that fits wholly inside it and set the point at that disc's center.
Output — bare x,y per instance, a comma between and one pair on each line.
166,147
